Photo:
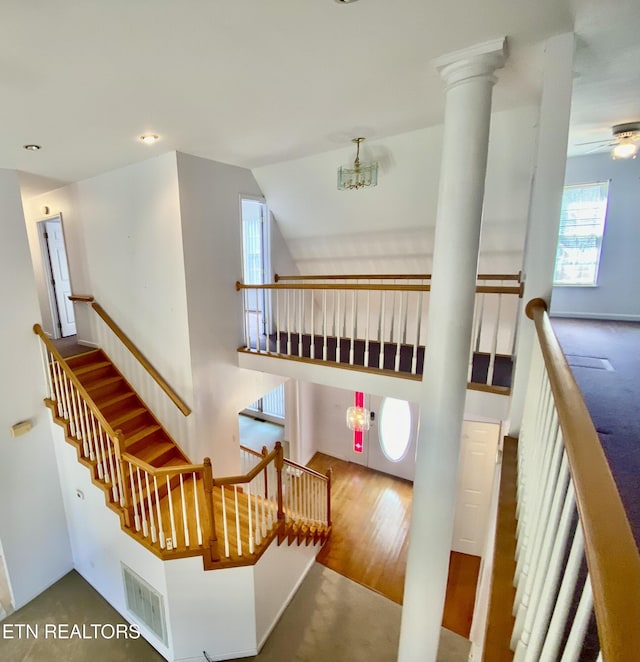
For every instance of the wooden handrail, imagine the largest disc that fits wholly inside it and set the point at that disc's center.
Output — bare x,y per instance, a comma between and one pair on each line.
37,329
161,471
612,555
305,469
137,354
278,277
251,451
248,477
481,289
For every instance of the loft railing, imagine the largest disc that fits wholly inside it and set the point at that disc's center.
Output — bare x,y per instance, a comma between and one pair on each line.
569,512
172,510
382,277
377,326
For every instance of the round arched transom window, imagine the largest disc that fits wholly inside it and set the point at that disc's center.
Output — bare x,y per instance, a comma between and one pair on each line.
395,428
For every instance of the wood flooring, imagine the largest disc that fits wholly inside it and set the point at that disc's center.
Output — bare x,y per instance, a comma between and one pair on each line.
371,512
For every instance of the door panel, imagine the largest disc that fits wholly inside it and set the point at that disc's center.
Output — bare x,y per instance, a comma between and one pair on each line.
478,450
62,282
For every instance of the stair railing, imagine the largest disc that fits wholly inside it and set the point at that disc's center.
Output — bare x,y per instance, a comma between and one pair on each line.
372,326
70,403
372,278
569,511
184,523
307,496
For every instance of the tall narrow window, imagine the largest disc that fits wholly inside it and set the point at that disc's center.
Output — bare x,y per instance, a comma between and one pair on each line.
582,220
254,265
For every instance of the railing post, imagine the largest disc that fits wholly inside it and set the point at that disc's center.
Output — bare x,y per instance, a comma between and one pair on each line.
329,478
279,463
213,554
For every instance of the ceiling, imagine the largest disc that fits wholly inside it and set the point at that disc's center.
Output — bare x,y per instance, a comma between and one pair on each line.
251,82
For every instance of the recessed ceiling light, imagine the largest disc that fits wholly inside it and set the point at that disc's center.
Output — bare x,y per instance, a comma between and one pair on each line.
149,138
32,148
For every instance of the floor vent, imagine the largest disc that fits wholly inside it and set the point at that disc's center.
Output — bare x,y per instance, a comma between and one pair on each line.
145,603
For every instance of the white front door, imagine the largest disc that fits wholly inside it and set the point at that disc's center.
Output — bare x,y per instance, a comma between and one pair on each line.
391,440
61,283
478,450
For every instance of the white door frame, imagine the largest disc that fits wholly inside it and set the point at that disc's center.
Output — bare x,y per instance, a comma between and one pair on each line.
54,304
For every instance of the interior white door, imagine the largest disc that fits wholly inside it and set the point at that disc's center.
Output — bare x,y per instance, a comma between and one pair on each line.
391,440
478,450
60,273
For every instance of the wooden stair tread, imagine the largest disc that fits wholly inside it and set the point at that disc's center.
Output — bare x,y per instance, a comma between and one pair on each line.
90,367
111,399
152,452
80,359
127,416
141,434
99,383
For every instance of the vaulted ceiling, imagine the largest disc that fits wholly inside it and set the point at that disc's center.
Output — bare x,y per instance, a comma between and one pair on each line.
252,83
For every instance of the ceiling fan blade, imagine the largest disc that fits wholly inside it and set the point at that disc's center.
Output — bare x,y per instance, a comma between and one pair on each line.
595,142
598,147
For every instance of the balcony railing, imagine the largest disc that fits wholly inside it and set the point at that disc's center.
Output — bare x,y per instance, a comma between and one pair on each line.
576,555
376,325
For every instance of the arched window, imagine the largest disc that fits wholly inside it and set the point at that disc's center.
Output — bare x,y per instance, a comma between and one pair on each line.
395,428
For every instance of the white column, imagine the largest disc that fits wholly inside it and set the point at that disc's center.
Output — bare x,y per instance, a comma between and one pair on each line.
546,201
469,76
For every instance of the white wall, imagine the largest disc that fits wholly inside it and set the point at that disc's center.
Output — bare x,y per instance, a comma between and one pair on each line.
276,578
97,541
211,611
123,236
616,295
32,522
390,228
211,233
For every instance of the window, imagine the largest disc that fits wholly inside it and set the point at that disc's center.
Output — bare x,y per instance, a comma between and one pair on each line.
395,428
582,218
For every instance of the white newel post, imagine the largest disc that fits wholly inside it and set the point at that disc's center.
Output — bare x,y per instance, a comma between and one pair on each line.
469,76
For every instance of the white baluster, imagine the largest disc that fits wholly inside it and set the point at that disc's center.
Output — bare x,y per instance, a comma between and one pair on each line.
152,521
82,427
398,335
105,467
580,623
564,599
247,319
66,401
237,511
143,514
258,496
381,329
74,428
136,515
172,520
225,531
114,477
312,348
337,294
258,331
159,513
300,322
93,443
414,358
538,626
250,519
197,504
353,326
277,321
324,325
288,322
57,387
494,344
185,522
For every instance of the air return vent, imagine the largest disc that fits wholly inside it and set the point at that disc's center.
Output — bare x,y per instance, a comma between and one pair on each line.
145,603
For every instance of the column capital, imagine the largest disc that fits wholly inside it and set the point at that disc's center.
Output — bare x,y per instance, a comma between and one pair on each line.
479,61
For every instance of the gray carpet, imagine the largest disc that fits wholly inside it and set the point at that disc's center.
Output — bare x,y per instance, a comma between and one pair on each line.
331,619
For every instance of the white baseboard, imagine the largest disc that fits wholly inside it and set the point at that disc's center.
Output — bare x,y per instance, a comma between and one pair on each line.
614,317
64,573
87,343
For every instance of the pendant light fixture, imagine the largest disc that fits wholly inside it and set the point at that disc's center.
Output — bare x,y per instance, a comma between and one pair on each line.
359,174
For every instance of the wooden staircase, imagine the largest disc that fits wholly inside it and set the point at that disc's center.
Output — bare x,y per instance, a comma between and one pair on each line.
144,436
172,507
